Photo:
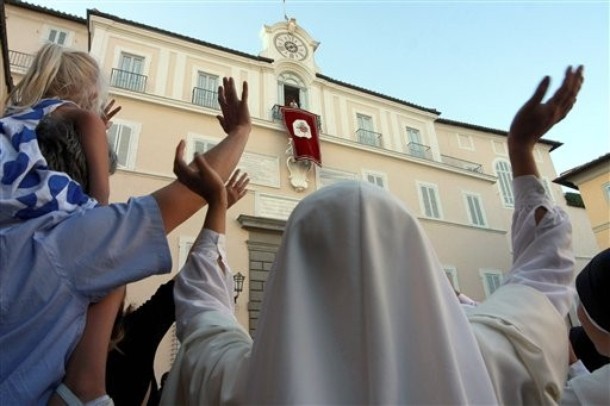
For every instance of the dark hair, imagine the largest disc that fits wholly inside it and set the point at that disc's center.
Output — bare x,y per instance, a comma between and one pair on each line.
585,349
60,145
592,285
118,328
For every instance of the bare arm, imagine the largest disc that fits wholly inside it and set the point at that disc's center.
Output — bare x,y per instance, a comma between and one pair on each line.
176,202
541,232
92,135
206,183
535,118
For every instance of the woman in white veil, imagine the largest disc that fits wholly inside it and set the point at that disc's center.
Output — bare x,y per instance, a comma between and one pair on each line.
358,310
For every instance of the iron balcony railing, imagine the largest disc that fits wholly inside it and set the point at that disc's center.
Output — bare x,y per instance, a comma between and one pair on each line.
128,80
462,163
419,150
20,59
368,137
276,114
205,98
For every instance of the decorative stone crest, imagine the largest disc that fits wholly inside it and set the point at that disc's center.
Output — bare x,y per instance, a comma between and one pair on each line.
298,173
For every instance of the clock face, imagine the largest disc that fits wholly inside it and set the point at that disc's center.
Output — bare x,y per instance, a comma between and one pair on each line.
290,46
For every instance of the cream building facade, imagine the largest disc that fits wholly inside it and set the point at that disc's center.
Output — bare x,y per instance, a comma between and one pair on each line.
455,177
592,179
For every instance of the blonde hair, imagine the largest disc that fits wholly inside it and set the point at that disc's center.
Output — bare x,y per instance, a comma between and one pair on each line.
58,72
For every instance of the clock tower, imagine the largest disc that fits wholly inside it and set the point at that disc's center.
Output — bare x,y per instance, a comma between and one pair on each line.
286,41
290,46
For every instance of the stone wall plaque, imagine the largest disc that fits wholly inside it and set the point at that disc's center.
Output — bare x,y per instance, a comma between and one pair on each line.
263,170
273,206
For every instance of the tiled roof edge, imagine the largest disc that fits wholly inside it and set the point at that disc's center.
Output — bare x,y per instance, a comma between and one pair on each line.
373,93
554,144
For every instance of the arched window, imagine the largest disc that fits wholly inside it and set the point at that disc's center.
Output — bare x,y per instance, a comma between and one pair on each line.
292,88
505,182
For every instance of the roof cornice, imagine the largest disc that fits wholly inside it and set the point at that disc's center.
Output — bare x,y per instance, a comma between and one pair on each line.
94,12
373,93
554,144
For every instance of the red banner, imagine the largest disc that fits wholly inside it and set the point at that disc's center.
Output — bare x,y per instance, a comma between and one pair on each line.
303,128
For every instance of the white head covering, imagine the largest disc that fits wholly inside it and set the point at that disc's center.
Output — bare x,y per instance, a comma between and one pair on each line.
357,310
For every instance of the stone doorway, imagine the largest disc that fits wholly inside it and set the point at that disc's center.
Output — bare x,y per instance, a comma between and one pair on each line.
263,242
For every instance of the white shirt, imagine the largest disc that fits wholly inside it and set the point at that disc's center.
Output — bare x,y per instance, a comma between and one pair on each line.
587,388
543,257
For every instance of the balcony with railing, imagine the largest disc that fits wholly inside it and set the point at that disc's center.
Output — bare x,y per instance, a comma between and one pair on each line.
419,150
462,163
20,60
276,114
128,80
205,98
368,137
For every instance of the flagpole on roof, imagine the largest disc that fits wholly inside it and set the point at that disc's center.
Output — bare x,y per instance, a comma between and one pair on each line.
285,15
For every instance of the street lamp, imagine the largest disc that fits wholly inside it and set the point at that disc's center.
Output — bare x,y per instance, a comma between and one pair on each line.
238,278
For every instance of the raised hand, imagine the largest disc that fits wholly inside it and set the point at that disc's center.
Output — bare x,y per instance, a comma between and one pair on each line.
235,113
108,113
535,118
236,187
202,179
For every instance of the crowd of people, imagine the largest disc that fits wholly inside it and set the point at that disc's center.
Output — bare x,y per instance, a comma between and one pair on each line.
357,309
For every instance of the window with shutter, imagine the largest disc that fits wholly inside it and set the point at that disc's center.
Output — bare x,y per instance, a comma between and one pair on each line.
505,182
129,74
206,92
415,145
57,36
430,201
121,139
366,131
492,280
475,210
376,178
198,145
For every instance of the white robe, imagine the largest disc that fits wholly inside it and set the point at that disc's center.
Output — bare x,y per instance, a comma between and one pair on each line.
357,310
523,340
589,388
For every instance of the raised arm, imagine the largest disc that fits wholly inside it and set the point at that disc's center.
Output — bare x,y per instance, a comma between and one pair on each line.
176,202
535,118
541,232
91,131
204,181
205,283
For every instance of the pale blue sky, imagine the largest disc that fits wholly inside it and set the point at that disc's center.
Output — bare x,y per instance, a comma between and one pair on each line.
474,61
